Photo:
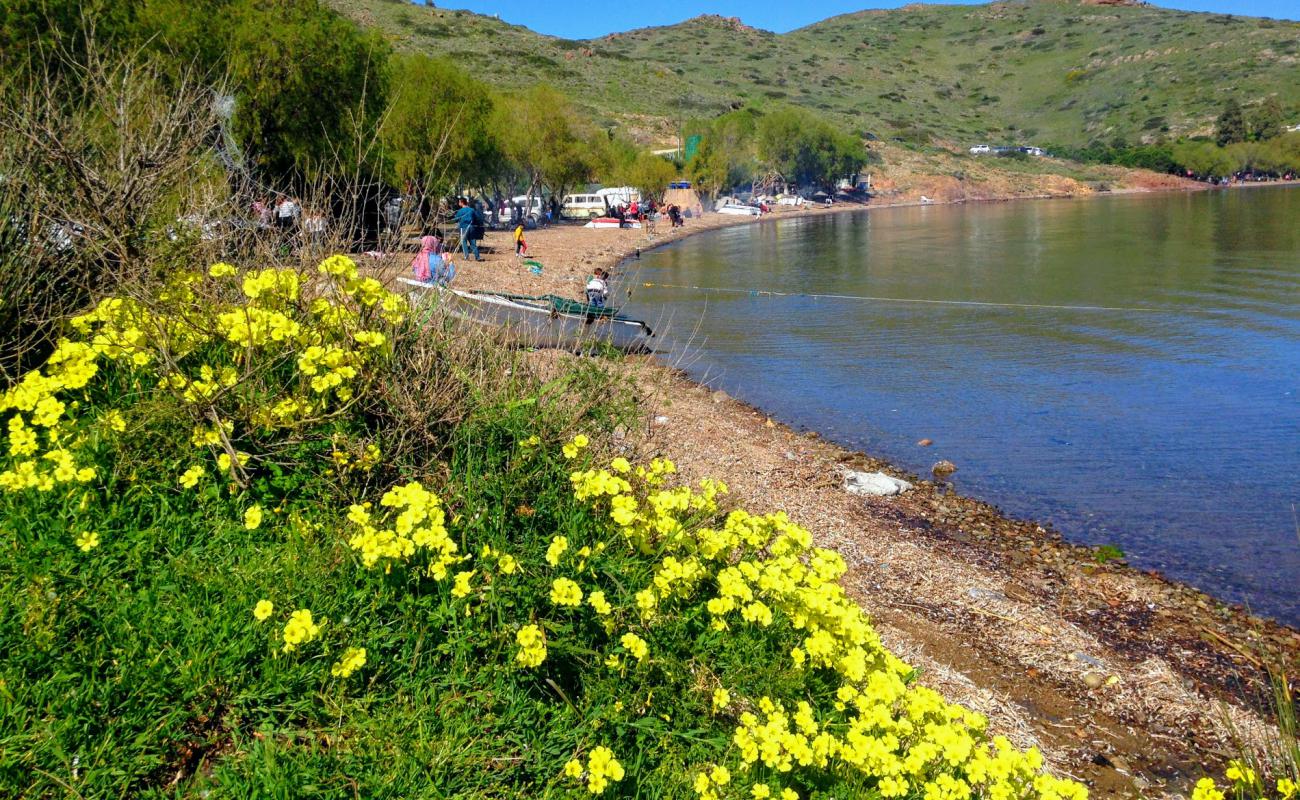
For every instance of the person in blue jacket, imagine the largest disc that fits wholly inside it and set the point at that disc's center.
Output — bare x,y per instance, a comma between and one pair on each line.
468,221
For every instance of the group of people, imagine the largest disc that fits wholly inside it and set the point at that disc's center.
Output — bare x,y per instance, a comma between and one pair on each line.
432,265
286,215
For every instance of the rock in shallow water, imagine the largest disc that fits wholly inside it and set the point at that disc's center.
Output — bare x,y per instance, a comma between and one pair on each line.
874,484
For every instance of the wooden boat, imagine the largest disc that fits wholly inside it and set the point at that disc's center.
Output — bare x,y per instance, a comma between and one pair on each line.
542,321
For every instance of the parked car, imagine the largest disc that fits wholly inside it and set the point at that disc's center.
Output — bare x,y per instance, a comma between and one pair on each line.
583,206
980,149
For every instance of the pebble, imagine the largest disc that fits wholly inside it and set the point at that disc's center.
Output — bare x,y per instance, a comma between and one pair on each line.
925,443
720,396
1094,680
661,420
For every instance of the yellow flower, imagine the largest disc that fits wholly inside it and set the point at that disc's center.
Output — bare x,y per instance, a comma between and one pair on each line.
507,564
531,442
262,611
599,603
1286,788
1206,790
88,541
602,768
574,447
253,517
789,794
573,768
191,476
1239,773
760,791
221,270
354,658
635,645
721,699
565,592
300,629
461,587
558,545
532,646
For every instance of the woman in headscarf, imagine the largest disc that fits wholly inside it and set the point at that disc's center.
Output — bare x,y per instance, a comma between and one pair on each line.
423,263
429,265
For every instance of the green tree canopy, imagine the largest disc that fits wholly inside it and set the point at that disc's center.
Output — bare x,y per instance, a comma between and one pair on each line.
1266,122
807,149
310,86
438,130
726,154
1231,124
542,135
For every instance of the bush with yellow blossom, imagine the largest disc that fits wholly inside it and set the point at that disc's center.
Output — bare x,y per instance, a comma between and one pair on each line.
224,544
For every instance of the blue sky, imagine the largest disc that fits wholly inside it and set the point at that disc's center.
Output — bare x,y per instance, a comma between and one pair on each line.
584,19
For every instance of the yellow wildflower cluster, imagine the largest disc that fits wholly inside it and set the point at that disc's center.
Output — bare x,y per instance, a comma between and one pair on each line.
39,430
602,768
299,630
418,524
532,646
1243,781
265,313
763,571
354,658
565,592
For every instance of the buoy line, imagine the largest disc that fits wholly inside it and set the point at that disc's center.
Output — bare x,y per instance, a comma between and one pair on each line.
922,301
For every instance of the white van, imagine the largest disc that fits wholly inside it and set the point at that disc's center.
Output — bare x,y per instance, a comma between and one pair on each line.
583,206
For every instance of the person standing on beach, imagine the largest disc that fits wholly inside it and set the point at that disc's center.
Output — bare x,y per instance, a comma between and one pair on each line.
465,217
521,247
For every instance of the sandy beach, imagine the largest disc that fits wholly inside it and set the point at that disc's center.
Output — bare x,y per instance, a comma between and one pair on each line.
1124,679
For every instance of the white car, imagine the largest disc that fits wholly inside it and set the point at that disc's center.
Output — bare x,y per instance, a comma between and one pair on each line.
980,149
790,200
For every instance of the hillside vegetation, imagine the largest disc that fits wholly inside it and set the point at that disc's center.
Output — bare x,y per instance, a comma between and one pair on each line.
1051,71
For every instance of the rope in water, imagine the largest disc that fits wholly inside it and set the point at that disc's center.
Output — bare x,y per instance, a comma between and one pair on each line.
875,299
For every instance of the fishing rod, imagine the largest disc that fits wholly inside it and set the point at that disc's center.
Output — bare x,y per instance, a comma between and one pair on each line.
915,300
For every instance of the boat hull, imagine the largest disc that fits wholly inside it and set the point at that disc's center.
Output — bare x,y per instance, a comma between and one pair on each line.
534,326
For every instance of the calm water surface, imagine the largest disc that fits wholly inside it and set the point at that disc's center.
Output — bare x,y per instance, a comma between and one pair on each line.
1172,431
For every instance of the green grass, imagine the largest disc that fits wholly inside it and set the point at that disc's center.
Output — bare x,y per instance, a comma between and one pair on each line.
1045,71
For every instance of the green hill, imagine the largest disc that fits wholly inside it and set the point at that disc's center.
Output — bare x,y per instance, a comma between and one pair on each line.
1056,71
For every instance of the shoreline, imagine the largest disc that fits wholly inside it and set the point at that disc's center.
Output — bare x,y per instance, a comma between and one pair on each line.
1116,673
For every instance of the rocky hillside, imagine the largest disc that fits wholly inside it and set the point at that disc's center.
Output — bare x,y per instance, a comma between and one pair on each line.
1053,71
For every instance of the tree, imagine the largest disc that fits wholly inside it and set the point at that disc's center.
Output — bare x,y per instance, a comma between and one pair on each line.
726,153
650,174
309,87
806,149
1231,124
438,130
1266,122
541,134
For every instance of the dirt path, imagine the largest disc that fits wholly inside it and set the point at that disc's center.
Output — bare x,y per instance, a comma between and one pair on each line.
1124,680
